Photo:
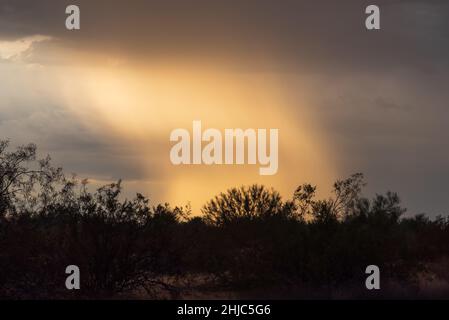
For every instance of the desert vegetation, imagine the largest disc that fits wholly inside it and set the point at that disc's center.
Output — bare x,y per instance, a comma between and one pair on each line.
248,242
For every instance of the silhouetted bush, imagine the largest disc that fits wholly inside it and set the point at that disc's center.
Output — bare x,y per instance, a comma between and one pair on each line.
248,240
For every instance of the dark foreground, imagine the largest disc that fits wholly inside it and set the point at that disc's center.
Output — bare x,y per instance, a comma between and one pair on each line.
248,244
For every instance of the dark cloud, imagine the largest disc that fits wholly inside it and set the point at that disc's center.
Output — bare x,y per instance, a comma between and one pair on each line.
286,35
380,97
394,128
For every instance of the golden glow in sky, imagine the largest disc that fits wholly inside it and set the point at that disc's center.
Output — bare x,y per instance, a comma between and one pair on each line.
138,105
145,106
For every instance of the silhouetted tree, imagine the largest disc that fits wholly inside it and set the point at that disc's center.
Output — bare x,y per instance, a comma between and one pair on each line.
20,172
245,203
248,240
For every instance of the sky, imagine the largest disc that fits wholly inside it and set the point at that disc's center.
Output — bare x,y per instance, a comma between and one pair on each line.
103,100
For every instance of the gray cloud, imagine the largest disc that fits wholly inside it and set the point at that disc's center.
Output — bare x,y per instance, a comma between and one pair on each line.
394,128
40,115
71,144
303,35
380,97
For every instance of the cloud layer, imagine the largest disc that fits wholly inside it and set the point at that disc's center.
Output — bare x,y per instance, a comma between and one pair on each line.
377,102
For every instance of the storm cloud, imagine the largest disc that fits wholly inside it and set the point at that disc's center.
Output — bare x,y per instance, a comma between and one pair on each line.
288,35
380,98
